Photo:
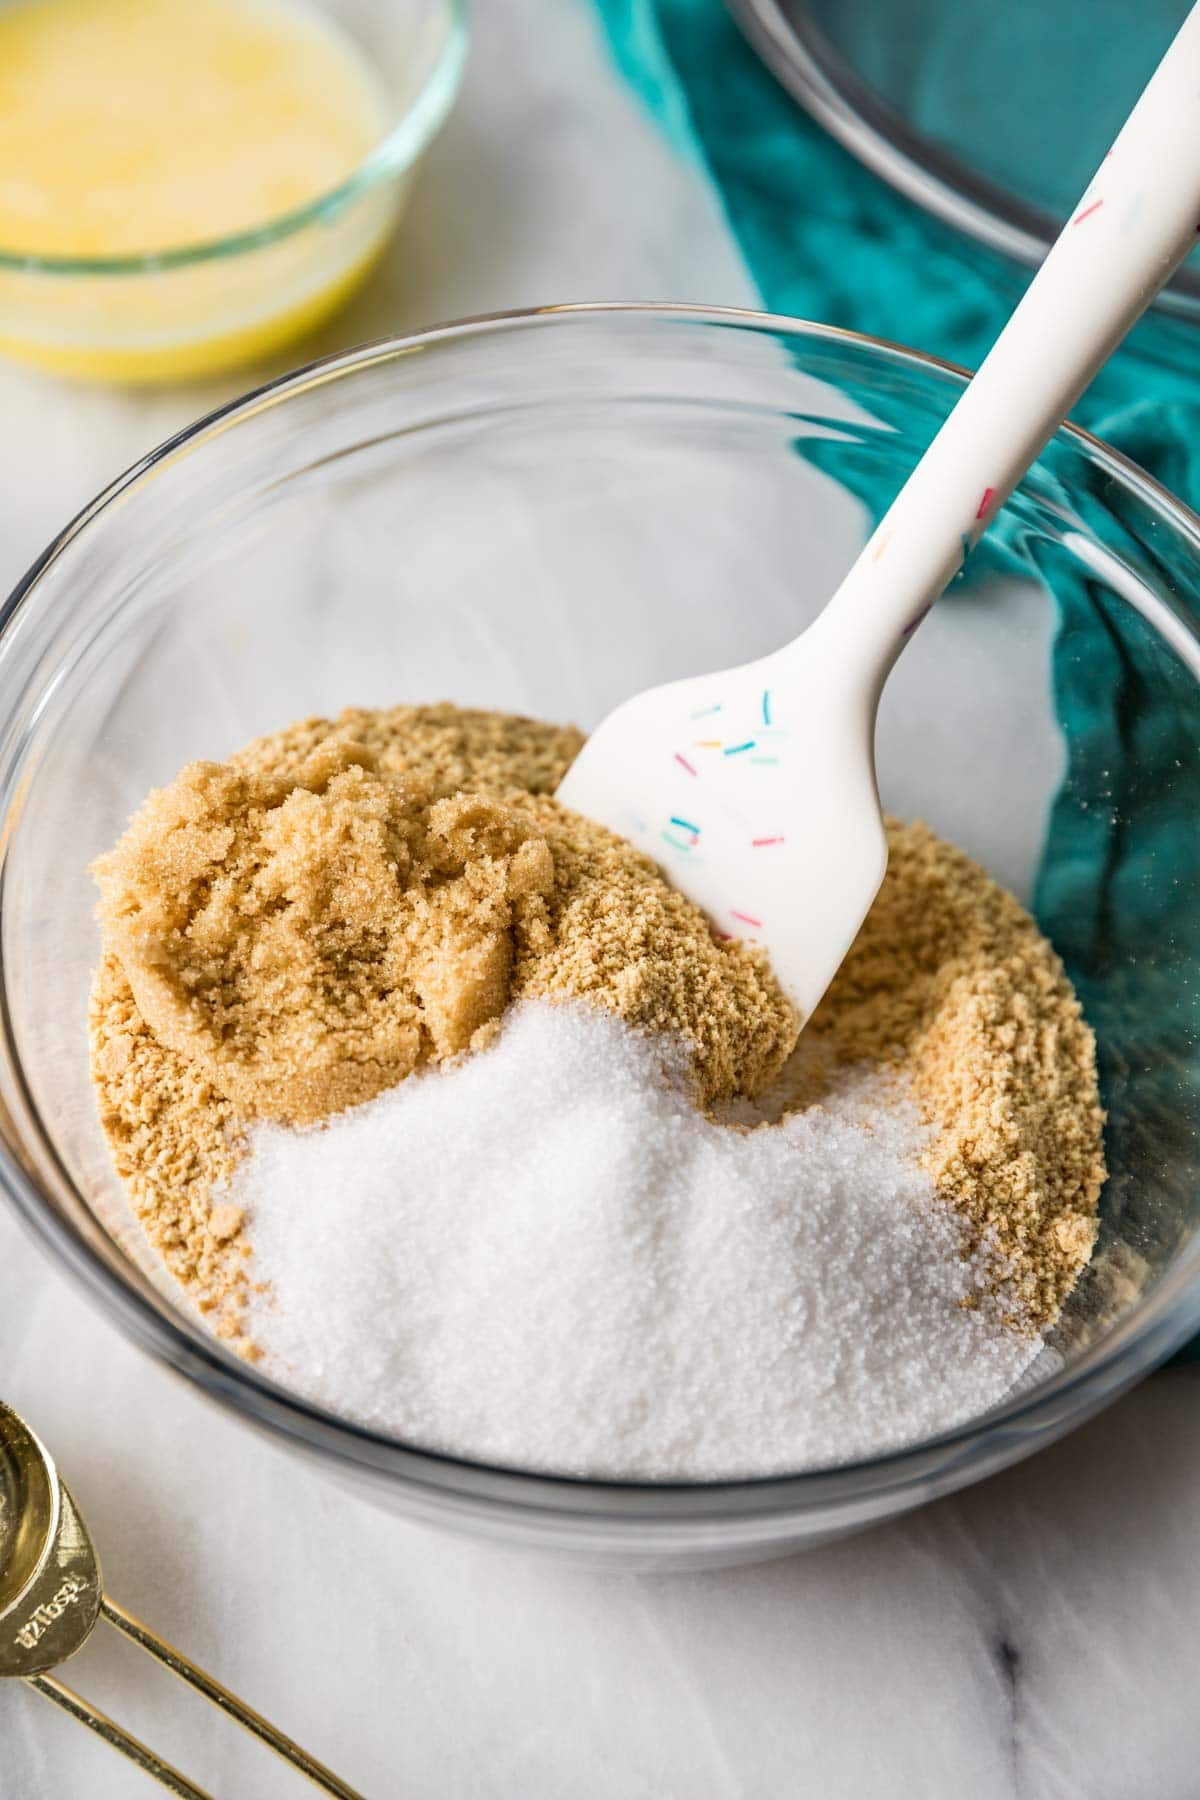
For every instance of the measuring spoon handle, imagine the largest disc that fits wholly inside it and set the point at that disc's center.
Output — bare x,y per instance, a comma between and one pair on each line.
116,1737
228,1703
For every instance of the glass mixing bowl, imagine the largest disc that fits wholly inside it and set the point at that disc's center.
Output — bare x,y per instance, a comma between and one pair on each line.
180,311
544,512
989,116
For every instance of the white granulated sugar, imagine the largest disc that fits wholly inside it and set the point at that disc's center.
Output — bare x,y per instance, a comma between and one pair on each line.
544,1256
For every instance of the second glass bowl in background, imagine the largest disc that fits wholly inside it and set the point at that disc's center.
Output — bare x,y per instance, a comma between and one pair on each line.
988,116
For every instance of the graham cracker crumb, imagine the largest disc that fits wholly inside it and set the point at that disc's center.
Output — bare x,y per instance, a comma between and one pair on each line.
173,1138
225,1222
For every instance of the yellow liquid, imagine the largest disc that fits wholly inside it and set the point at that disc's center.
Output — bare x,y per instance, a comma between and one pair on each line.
138,126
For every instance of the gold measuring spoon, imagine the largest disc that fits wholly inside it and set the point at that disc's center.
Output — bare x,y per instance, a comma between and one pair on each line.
52,1595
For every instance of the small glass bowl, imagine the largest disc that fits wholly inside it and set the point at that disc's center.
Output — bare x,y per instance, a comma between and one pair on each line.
192,310
545,512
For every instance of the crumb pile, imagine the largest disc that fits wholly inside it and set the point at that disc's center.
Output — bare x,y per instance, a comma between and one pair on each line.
330,967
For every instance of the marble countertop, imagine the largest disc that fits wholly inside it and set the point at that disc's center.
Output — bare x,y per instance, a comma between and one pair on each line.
1028,1640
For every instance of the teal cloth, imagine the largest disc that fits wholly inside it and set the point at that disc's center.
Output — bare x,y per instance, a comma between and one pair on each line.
825,239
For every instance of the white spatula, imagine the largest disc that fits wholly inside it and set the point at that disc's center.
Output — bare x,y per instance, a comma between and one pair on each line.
755,788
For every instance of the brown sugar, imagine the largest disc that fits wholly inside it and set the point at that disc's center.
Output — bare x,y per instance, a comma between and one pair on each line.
307,942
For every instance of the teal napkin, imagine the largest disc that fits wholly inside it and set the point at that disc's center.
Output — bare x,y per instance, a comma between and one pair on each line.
824,239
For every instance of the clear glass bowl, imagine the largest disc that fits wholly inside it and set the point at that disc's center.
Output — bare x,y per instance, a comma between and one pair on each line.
189,310
543,512
991,116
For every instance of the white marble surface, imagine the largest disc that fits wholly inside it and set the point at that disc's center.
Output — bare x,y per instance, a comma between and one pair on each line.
1033,1638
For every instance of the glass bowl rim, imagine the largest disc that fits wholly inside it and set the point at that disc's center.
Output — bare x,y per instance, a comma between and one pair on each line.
1155,1327
819,79
399,146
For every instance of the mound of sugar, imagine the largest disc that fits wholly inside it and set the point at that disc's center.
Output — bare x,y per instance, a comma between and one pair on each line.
543,1256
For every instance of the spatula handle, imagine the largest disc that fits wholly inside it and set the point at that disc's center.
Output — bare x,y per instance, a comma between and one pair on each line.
1133,227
